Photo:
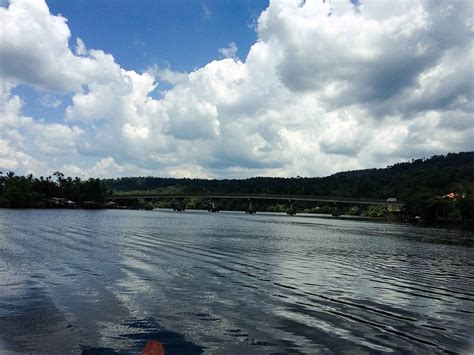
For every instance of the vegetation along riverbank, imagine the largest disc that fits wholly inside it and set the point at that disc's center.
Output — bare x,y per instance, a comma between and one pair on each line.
438,190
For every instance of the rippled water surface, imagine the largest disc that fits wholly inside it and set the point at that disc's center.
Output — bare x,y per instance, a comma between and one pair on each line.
106,281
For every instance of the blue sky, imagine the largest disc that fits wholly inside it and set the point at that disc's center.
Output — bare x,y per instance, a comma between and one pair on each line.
182,35
232,88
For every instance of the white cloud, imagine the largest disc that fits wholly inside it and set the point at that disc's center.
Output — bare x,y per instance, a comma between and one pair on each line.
167,75
327,86
50,101
34,48
25,142
206,12
133,133
230,51
80,47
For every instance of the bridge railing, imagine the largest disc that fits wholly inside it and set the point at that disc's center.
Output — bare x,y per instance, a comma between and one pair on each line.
355,200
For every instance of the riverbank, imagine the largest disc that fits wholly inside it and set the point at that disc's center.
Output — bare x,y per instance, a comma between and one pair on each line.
466,225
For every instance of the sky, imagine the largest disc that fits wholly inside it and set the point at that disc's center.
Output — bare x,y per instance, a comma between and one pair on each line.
232,89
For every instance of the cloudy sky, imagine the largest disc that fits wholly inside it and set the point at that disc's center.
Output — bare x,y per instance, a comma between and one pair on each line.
232,88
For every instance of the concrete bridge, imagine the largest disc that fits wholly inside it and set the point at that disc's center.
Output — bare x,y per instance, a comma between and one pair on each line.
249,197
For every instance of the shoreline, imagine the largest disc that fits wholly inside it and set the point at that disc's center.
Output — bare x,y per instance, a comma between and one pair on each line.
461,225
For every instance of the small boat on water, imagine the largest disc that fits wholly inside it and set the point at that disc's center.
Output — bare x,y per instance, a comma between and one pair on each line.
153,347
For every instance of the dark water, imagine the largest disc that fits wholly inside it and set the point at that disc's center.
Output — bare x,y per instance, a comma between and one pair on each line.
106,281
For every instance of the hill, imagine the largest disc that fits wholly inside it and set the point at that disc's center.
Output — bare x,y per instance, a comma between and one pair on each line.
407,181
439,190
420,184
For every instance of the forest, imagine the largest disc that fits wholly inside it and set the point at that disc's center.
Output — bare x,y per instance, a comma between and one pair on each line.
52,191
407,181
419,183
440,188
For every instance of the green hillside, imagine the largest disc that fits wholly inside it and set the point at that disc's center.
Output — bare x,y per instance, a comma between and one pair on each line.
420,184
407,181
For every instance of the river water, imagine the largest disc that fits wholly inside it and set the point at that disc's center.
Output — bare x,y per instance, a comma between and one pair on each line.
104,282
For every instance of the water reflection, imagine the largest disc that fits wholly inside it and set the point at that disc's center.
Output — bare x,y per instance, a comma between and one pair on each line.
107,281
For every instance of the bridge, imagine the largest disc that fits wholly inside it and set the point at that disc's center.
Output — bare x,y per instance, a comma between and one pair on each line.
355,201
249,197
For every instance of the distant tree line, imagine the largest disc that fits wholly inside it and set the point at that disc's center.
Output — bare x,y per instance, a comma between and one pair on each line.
420,184
408,181
31,192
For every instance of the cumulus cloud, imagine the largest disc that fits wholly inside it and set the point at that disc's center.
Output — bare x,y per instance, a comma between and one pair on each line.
80,47
25,142
230,51
327,86
34,48
167,75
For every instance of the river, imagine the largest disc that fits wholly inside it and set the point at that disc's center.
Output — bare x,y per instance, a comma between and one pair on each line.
104,282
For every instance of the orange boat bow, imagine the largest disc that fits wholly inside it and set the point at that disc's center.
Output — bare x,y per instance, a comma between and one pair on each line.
153,347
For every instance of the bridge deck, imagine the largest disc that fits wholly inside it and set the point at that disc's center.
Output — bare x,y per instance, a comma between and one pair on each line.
356,201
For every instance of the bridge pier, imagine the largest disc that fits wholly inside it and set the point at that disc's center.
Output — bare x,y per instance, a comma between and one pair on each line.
336,211
291,210
212,206
250,210
179,201
180,205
